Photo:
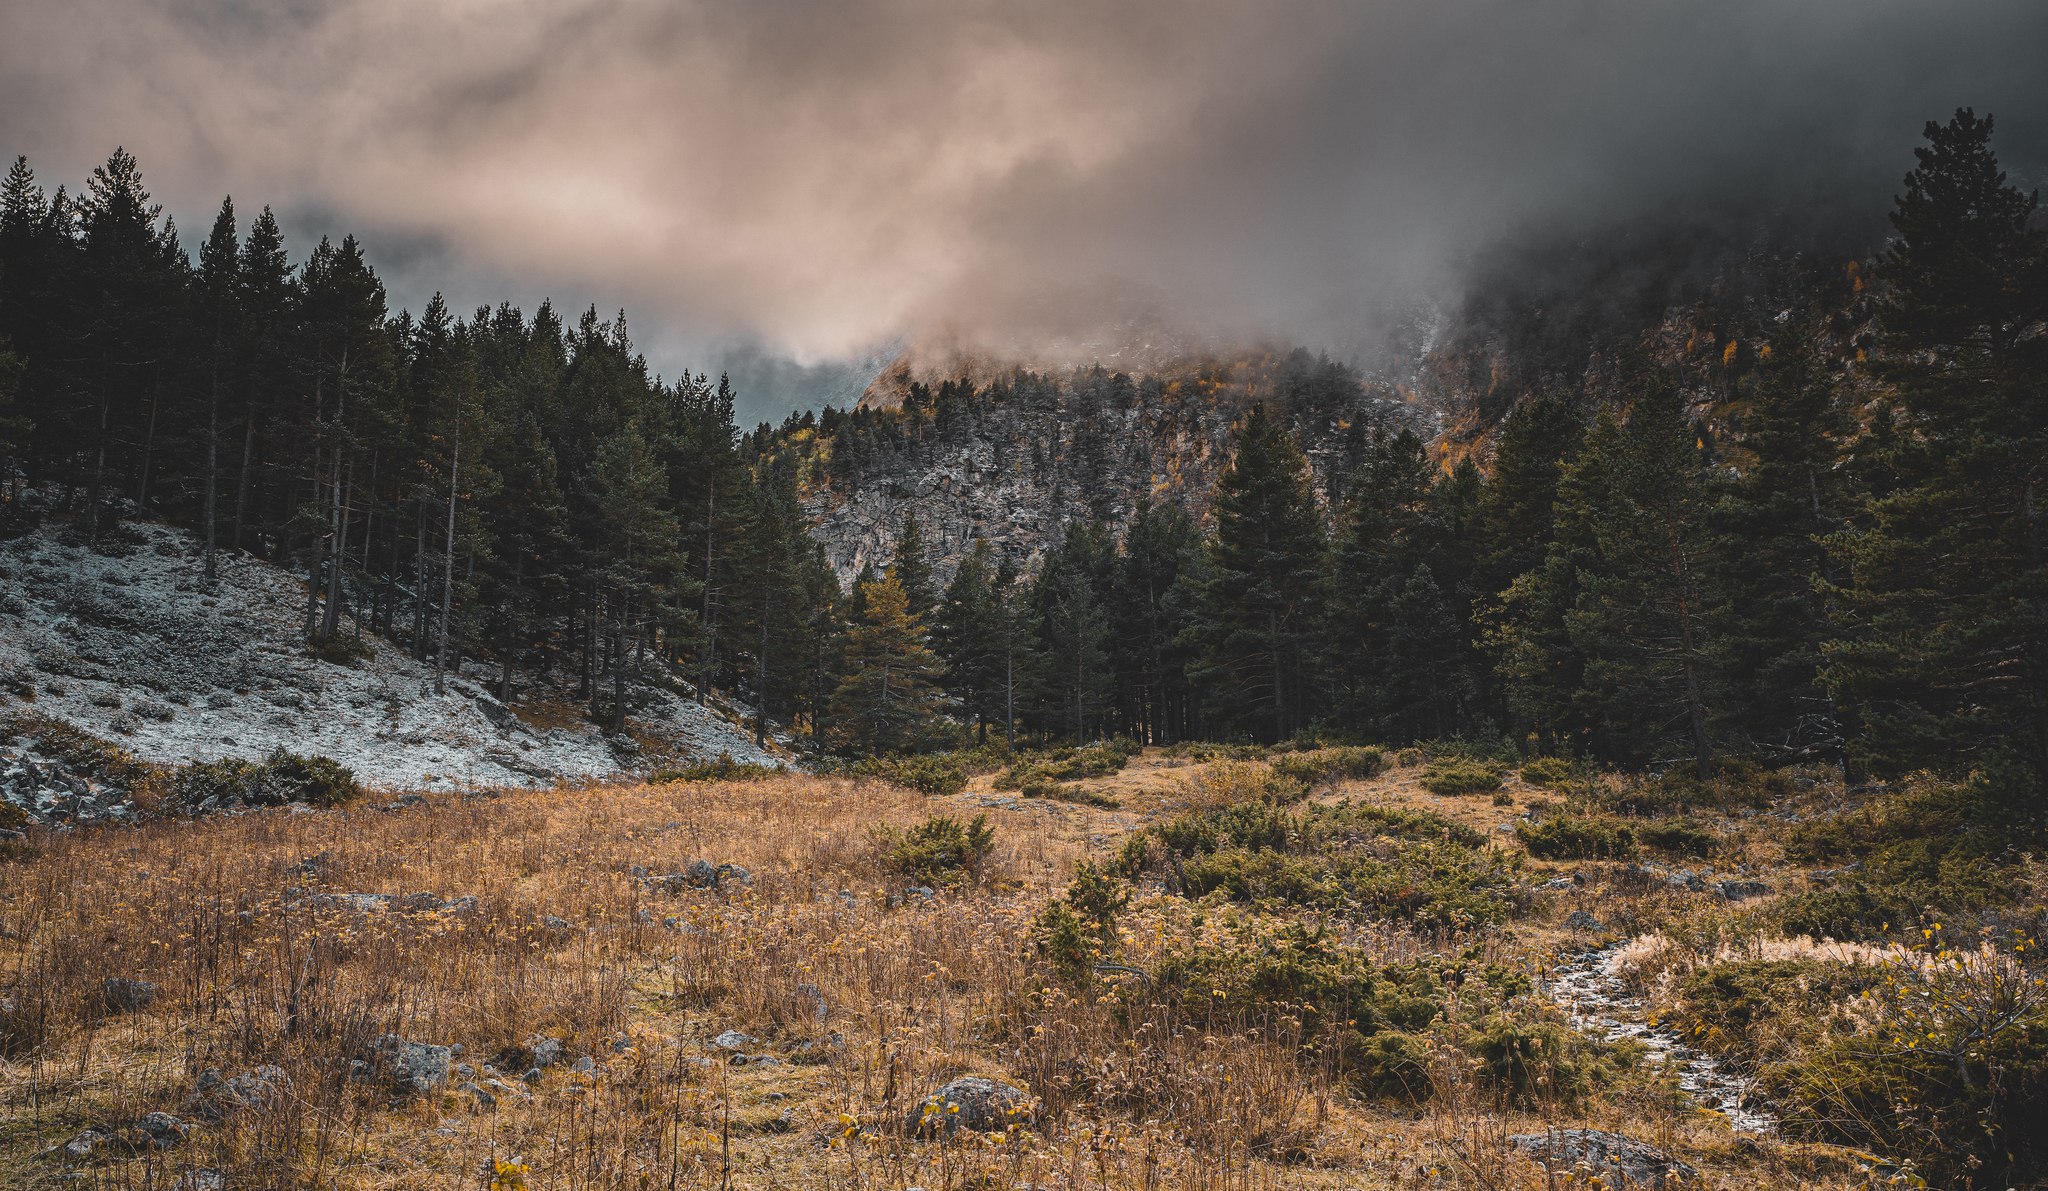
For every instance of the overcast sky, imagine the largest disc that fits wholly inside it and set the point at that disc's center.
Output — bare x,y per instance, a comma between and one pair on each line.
820,177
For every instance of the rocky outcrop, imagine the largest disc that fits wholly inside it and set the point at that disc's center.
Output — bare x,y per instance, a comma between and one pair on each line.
1028,454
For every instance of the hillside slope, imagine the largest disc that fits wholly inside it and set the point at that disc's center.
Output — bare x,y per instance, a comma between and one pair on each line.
128,641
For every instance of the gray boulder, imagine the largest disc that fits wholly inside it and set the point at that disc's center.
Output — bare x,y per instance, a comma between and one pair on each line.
1608,1154
546,1051
214,1098
733,873
734,1040
1735,891
415,1066
485,1102
701,873
1581,920
159,1130
972,1103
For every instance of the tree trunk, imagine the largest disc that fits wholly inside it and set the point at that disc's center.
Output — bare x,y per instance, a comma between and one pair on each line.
156,390
761,681
619,672
710,631
448,563
211,570
242,484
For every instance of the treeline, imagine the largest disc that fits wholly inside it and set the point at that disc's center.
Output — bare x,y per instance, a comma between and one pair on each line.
504,487
1827,581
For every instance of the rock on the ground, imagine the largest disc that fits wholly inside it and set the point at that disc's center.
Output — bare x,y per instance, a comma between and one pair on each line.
972,1103
1608,1154
1735,891
546,1052
214,1098
734,1040
1581,920
415,1066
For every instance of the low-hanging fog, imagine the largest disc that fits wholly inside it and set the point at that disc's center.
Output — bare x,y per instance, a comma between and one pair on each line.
794,183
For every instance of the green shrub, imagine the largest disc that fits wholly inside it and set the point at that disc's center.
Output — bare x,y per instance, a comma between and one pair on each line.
1453,775
340,651
935,775
284,777
939,851
1548,771
1567,838
723,769
81,750
1364,861
1759,1011
1318,766
1044,787
1680,836
1947,1071
1503,799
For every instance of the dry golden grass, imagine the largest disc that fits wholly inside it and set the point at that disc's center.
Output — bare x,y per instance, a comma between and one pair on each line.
1136,1091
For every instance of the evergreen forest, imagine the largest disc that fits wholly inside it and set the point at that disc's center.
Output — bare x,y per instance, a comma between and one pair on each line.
1847,580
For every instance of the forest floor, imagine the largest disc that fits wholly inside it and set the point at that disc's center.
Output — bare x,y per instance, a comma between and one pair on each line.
853,1000
126,639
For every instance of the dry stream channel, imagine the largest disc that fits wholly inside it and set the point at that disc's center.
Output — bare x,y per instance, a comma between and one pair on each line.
1593,994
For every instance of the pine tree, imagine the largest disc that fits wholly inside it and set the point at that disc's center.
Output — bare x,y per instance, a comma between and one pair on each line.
1389,528
968,637
890,699
1069,603
219,284
1260,602
913,569
1150,609
1946,602
1769,563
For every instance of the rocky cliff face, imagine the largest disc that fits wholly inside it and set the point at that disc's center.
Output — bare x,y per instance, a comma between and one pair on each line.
1025,454
1030,452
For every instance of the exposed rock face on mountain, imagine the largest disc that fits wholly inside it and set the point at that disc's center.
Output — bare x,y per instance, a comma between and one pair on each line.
1015,457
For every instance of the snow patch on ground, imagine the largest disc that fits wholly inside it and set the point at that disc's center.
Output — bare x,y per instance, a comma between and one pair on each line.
128,641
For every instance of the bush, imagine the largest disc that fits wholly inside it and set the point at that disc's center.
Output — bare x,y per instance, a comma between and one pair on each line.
81,750
340,651
1680,836
1566,838
939,851
1319,766
1451,775
1548,771
724,769
1362,860
1044,787
1227,783
1951,1064
932,775
1760,1011
285,777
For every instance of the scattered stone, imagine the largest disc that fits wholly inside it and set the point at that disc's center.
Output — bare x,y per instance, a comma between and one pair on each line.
214,1098
314,867
206,1178
484,1100
918,893
546,1052
1609,1154
534,1076
1581,920
734,1040
1735,891
127,996
971,1103
584,1066
552,923
158,1130
79,1148
733,873
415,1066
701,874
756,1061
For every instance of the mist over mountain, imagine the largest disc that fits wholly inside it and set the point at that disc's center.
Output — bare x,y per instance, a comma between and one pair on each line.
822,178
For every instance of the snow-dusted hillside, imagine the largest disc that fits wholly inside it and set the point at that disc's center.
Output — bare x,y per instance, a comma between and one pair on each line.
127,641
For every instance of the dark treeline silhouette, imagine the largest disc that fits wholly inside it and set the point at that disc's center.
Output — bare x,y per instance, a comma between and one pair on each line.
1839,580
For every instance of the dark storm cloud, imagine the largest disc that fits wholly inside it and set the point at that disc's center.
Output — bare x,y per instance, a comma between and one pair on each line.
825,175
